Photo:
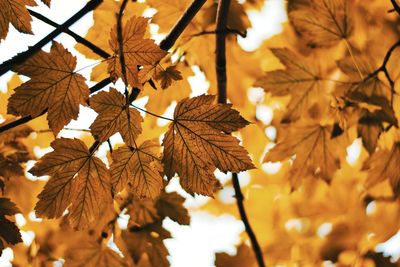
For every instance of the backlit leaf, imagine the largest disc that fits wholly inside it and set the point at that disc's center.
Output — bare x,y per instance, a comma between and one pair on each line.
15,12
197,142
79,181
53,85
138,168
115,115
138,51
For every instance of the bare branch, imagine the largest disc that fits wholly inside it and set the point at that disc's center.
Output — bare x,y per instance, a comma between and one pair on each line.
77,37
9,64
220,62
181,25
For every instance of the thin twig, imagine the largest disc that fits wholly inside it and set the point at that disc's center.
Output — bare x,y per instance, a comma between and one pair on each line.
222,17
181,25
242,211
9,64
151,113
97,50
226,31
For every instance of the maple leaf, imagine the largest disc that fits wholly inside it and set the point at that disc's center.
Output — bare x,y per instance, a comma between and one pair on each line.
9,232
167,76
301,80
244,257
370,128
115,115
137,51
53,85
77,178
382,165
15,12
149,240
314,148
322,22
139,168
369,90
197,142
93,254
142,212
171,205
47,2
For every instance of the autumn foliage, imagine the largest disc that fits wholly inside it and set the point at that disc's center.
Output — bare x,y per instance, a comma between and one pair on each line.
323,171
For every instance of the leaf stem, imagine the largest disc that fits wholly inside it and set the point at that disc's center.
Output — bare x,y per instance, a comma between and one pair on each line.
220,62
151,113
353,58
9,64
97,50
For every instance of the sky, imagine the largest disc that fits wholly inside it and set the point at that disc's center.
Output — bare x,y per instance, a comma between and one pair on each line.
207,233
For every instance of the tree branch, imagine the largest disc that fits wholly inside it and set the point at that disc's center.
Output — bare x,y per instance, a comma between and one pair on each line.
99,51
8,65
253,239
181,25
395,6
220,62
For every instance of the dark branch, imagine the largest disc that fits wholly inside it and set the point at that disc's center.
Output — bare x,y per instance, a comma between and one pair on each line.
181,25
247,226
395,6
77,38
226,31
9,64
121,46
220,62
220,57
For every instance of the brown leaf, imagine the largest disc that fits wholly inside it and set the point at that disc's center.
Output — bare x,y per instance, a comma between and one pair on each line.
93,254
137,50
142,212
53,85
9,232
15,12
115,115
171,205
323,22
77,178
244,257
168,75
148,240
139,168
197,142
